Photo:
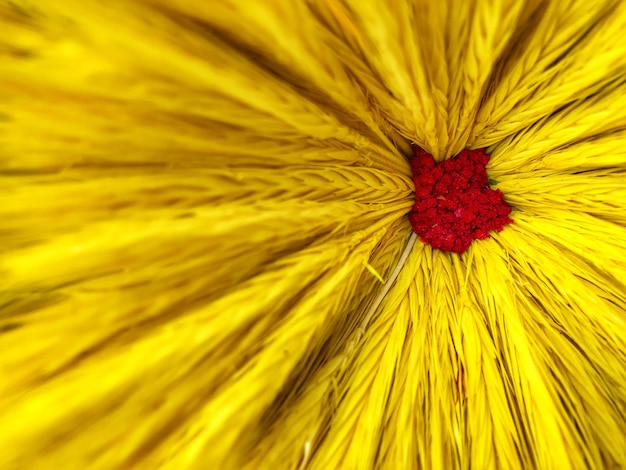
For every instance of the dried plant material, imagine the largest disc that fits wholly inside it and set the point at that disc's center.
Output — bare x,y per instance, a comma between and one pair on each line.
201,198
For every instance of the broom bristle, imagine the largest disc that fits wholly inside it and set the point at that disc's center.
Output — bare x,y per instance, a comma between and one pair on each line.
200,200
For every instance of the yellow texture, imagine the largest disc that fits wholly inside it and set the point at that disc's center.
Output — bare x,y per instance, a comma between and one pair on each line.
200,200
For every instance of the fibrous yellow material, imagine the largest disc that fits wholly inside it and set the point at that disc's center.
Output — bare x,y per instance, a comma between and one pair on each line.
201,199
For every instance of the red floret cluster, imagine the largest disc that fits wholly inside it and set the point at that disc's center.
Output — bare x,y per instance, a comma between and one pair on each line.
454,204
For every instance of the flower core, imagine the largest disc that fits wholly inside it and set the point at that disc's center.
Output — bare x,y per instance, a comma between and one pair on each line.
454,204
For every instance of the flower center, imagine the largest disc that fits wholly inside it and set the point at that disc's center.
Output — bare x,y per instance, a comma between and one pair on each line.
454,204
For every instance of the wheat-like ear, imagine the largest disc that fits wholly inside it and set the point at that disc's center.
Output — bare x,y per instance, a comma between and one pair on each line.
568,50
165,225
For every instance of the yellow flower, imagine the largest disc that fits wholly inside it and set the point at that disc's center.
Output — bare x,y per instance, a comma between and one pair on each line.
205,255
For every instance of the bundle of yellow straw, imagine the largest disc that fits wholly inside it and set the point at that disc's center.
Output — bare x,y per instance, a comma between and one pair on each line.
205,255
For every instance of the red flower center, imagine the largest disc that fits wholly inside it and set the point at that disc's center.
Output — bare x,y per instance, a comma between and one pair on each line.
454,204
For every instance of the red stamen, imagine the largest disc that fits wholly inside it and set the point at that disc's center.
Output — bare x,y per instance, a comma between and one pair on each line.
454,204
